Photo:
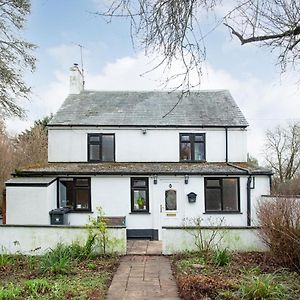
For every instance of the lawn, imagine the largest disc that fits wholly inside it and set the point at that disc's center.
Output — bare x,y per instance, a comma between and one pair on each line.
60,274
224,275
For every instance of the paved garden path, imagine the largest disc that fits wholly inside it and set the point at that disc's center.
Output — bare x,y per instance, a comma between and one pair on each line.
143,277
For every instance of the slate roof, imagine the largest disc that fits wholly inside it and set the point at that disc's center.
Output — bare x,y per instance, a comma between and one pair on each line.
147,168
214,108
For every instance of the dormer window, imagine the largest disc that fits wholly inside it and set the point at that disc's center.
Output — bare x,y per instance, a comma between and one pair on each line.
192,146
101,147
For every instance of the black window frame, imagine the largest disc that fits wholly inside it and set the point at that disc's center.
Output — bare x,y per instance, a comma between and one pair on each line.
75,188
220,179
141,188
100,135
192,142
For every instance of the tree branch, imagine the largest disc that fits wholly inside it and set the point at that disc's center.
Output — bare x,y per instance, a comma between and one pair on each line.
293,32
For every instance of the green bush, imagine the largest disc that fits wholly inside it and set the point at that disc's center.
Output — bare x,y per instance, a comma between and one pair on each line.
37,286
261,287
92,266
57,260
251,270
9,292
221,258
6,260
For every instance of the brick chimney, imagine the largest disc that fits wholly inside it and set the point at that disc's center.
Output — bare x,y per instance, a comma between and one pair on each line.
76,80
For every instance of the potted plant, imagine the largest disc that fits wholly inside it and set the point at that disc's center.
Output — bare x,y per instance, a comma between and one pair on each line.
140,202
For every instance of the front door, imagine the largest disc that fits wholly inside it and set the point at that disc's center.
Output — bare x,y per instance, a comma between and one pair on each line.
170,195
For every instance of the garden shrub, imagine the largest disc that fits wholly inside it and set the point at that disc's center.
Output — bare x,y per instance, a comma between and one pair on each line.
9,292
37,286
99,239
5,260
261,287
279,219
206,240
57,260
221,258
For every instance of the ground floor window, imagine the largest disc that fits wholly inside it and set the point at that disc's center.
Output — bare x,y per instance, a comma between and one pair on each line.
222,194
139,194
75,193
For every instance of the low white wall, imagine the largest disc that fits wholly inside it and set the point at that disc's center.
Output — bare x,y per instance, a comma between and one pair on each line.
239,239
36,240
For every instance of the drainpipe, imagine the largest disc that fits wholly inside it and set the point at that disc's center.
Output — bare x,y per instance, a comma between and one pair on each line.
226,144
249,199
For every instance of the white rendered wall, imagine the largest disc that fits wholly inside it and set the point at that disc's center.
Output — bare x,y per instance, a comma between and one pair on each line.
237,145
67,145
30,205
262,187
112,194
195,210
239,239
36,240
70,145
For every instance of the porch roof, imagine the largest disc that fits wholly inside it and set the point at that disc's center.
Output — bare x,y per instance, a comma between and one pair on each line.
30,181
144,168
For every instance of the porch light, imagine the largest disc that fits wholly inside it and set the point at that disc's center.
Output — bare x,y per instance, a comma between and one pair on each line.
155,179
186,179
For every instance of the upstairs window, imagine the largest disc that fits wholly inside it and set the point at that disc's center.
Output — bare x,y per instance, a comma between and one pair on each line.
101,147
192,146
222,194
74,193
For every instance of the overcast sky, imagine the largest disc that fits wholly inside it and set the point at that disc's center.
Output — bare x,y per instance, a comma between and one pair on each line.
266,98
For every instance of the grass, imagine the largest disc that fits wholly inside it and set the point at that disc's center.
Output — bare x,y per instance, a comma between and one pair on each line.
233,276
62,273
262,287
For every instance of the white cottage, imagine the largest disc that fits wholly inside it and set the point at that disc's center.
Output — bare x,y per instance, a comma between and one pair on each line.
124,152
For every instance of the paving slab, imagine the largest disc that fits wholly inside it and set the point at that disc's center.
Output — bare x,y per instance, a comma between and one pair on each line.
144,278
144,247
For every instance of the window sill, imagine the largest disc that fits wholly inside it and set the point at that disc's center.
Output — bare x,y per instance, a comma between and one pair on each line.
222,213
140,212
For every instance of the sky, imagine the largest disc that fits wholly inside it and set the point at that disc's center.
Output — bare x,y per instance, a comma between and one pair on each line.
266,97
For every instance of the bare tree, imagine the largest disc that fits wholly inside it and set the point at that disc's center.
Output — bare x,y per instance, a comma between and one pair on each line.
283,151
31,146
27,149
271,23
172,28
15,56
6,158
